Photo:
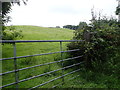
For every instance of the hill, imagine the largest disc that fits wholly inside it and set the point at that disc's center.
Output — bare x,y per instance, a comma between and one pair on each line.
38,33
44,33
23,49
85,78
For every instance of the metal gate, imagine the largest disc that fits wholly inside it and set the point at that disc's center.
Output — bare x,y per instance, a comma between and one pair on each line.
16,70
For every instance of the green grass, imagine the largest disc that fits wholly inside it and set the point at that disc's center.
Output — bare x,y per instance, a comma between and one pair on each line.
38,33
35,33
106,75
43,33
109,77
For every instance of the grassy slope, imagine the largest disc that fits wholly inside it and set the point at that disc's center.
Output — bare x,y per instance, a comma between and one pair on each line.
35,33
86,79
42,33
39,33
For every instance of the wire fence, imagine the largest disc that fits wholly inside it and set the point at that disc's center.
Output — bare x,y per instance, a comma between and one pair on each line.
16,70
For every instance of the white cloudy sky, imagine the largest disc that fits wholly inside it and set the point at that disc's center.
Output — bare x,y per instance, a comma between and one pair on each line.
50,13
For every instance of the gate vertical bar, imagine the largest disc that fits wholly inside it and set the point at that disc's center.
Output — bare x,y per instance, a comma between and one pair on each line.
0,40
1,20
62,61
15,66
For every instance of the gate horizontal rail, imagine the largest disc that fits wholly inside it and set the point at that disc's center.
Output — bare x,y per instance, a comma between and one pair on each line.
22,41
38,54
62,60
40,65
55,79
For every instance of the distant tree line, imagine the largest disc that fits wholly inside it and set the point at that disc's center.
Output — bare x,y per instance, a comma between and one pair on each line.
76,27
73,27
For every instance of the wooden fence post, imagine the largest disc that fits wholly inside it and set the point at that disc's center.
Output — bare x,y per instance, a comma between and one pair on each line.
87,37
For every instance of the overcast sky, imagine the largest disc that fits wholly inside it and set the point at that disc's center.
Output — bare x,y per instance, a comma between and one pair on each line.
50,13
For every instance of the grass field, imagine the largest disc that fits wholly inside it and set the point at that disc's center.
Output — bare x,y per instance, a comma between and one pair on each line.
38,33
35,33
107,78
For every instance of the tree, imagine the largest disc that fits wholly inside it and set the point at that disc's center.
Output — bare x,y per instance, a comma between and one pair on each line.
82,25
118,10
73,27
6,8
57,26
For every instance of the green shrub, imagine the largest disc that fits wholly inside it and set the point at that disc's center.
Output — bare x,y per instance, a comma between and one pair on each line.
28,61
101,53
11,34
105,37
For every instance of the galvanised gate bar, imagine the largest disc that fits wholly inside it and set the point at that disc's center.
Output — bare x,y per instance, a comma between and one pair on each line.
15,58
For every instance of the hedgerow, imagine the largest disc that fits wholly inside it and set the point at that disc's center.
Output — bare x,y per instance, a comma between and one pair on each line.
101,45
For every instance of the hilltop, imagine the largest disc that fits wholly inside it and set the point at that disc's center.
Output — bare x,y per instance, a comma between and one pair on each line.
44,33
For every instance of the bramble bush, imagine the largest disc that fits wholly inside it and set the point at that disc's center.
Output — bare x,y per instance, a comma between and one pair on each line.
102,46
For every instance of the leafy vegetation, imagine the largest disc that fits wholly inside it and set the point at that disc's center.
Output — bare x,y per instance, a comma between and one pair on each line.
100,51
117,10
10,33
73,27
103,75
6,9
